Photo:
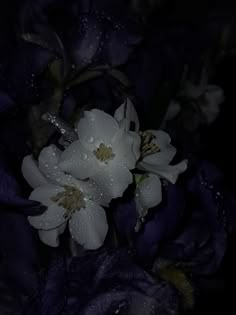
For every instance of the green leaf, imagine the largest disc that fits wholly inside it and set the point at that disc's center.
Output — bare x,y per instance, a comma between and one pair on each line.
35,39
55,71
179,279
120,76
84,77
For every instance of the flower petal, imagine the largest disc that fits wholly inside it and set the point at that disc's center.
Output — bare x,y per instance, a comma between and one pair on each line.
78,161
172,111
169,172
48,164
128,113
52,218
32,173
214,94
167,151
113,179
136,143
51,237
148,194
96,127
94,192
89,226
124,144
44,194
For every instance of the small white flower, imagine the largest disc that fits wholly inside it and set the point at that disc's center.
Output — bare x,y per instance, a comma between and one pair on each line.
156,155
156,152
105,152
208,97
68,200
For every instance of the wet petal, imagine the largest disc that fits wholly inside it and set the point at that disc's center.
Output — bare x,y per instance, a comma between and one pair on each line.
148,194
44,194
78,161
50,219
125,146
96,127
169,172
127,111
51,237
88,226
32,173
94,192
113,179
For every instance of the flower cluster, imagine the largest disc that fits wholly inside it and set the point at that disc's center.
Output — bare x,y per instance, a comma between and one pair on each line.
108,156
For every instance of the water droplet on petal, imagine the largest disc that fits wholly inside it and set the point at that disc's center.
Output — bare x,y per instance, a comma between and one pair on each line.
91,139
84,156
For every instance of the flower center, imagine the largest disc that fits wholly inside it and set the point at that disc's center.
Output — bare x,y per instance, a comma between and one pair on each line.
147,146
104,153
71,199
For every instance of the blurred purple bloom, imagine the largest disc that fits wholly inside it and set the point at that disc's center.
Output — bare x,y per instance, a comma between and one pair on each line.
190,226
162,224
13,189
92,32
18,251
6,103
202,243
11,193
106,282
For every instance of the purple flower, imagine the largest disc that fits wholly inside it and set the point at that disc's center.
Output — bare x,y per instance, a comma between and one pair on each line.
18,247
106,282
18,251
6,103
189,227
201,244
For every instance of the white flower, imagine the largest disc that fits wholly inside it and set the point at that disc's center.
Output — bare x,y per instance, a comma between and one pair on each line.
209,97
156,150
173,110
214,98
156,155
148,194
105,152
67,199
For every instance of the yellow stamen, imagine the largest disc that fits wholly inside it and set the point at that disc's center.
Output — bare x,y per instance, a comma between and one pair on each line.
104,153
71,199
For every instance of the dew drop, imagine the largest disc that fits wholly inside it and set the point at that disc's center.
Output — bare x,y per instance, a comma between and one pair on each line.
91,139
84,156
